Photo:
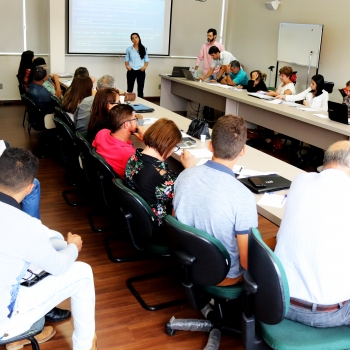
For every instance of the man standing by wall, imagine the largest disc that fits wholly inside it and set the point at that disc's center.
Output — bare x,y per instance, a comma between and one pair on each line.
204,55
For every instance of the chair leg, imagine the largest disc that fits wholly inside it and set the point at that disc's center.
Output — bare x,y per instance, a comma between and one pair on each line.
35,345
112,258
135,293
24,116
92,224
68,201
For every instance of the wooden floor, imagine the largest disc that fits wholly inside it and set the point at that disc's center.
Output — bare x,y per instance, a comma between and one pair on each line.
121,323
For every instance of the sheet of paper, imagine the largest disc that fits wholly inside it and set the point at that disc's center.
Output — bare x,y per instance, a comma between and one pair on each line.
273,200
291,104
249,172
198,153
237,169
237,89
262,92
67,82
65,75
2,146
149,121
275,102
321,115
308,109
201,162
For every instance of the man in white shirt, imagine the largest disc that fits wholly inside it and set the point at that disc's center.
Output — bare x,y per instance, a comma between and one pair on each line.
221,59
314,239
25,241
204,55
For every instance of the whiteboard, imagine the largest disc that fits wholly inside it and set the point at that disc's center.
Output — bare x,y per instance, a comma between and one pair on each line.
296,41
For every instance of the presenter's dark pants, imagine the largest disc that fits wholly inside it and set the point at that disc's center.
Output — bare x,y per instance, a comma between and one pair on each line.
131,76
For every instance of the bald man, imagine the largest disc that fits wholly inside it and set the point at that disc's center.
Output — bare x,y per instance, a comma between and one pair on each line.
313,242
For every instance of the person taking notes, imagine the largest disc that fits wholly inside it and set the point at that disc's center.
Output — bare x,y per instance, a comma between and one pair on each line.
314,96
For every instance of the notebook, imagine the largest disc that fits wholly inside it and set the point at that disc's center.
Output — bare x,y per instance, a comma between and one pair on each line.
259,95
177,72
189,75
338,112
140,108
272,183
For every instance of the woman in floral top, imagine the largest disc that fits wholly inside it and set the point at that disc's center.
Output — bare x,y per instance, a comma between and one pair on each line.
147,174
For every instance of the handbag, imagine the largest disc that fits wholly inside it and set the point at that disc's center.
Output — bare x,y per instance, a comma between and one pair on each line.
130,96
197,128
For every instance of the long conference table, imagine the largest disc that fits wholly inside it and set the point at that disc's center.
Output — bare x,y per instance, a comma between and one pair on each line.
253,159
302,125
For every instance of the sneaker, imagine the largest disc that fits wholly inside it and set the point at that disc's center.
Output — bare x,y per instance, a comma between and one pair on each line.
47,333
94,343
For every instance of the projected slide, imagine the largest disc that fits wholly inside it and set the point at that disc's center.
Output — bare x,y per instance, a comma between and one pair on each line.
104,26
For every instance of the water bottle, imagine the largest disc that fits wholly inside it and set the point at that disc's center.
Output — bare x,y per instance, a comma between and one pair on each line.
192,70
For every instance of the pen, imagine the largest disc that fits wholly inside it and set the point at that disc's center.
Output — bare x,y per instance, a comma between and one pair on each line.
284,197
240,169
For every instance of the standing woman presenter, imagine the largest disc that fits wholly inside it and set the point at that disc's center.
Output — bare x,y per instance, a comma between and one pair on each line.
136,62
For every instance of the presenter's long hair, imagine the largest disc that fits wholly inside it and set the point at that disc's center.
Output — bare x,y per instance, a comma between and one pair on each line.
26,63
142,49
319,81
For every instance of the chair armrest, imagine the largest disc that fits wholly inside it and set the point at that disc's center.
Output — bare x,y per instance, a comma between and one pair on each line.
249,284
184,258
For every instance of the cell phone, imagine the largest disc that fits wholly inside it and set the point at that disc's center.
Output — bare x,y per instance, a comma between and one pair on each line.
256,182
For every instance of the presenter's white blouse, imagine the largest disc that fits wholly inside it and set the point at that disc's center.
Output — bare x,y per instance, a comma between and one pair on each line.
320,102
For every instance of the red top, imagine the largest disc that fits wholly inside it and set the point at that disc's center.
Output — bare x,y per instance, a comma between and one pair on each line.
114,151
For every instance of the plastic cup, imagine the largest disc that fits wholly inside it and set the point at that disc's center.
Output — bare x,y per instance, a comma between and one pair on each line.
203,138
121,99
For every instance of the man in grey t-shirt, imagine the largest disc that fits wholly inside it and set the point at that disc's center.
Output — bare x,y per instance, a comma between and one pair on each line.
210,198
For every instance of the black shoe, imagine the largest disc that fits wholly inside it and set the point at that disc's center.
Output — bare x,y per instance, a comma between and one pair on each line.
57,315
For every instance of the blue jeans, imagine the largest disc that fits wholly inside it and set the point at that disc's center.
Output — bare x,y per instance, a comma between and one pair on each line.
340,317
31,202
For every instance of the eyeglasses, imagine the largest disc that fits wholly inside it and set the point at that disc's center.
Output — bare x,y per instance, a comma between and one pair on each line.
176,148
129,120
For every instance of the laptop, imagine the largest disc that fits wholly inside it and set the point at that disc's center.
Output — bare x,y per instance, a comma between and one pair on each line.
189,75
271,182
338,112
140,108
177,72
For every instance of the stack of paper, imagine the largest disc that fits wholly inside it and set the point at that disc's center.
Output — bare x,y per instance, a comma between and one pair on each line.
273,200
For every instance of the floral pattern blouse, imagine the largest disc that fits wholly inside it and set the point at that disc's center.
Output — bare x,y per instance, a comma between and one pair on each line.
153,181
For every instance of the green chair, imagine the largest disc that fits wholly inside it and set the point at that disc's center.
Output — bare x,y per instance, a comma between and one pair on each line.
204,262
61,114
267,303
142,225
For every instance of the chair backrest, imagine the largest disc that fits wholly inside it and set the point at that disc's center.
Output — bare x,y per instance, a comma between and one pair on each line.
22,90
61,114
342,92
271,302
328,86
102,177
142,222
35,115
85,147
56,102
68,146
212,261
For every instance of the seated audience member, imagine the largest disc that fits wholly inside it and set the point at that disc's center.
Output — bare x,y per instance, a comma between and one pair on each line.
210,198
221,59
314,96
51,83
83,72
80,88
256,82
286,87
114,144
24,68
40,96
25,241
82,113
146,171
237,75
104,100
346,99
313,242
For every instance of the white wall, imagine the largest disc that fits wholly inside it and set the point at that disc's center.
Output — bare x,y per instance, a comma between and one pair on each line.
252,36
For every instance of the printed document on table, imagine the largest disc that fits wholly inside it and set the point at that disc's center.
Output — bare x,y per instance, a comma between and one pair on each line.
308,109
273,200
249,172
275,102
198,153
149,121
321,115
